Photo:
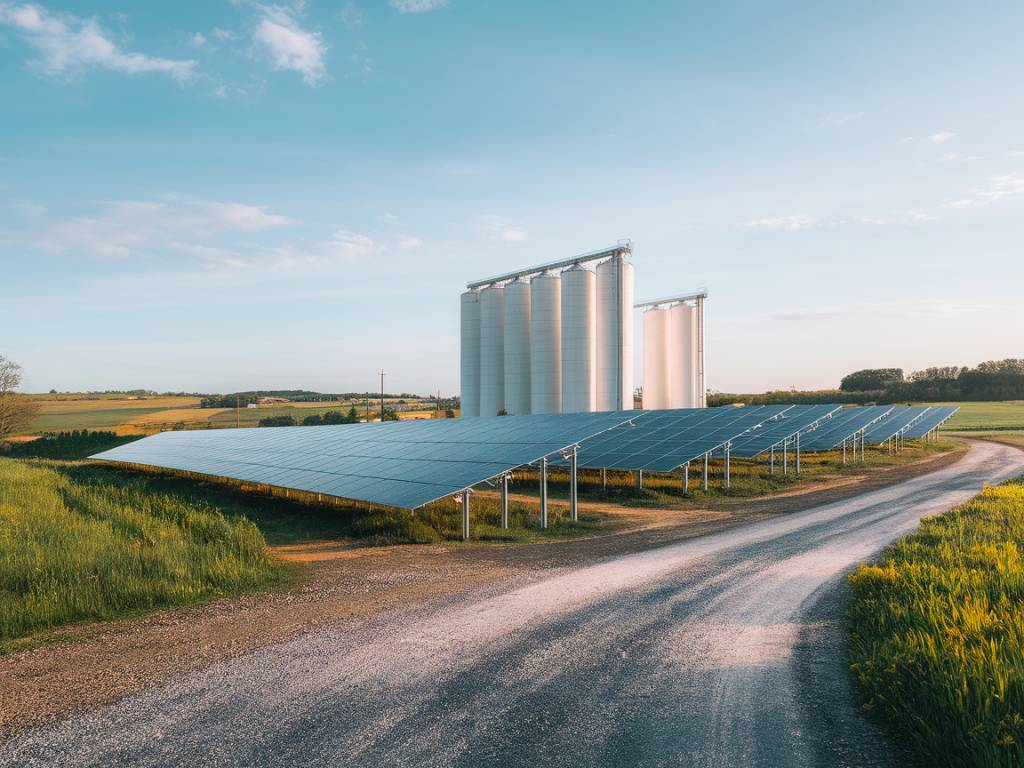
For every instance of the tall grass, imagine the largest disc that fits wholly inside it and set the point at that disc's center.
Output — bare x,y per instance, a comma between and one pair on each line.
73,550
937,631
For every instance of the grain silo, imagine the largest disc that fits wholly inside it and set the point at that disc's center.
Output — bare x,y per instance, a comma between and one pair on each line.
492,350
683,391
517,348
470,353
546,344
578,327
657,353
613,360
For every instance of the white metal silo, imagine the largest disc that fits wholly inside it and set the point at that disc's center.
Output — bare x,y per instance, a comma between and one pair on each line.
470,353
578,336
682,360
656,358
492,350
517,348
613,362
546,344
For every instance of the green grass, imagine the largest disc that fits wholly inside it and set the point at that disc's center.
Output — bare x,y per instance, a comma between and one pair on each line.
87,419
987,416
75,547
937,633
250,417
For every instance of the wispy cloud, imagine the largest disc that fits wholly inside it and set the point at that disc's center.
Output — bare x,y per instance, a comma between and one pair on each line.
836,120
997,188
349,246
417,6
280,38
198,40
500,228
791,223
409,242
941,137
68,45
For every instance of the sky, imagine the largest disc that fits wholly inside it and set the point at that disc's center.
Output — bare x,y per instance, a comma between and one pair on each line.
222,195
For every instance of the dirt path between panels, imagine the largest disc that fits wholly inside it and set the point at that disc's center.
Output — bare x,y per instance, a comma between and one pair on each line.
95,664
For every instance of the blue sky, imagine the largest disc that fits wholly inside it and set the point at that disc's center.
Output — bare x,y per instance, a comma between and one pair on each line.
222,195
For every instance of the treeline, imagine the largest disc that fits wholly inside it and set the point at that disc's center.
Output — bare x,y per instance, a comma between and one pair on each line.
989,381
76,444
319,420
295,396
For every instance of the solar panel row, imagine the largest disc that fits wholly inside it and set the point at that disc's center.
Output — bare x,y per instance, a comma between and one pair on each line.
935,418
780,430
401,464
842,426
895,423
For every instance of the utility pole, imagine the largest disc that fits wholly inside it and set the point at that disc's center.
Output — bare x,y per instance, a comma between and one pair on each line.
382,394
367,407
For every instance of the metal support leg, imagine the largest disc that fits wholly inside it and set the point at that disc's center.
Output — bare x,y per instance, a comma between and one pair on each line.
639,479
728,480
771,462
573,498
798,453
544,493
862,433
686,478
705,471
844,450
604,480
785,456
504,501
465,515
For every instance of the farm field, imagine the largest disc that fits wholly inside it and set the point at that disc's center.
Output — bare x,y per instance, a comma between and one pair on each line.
64,412
984,417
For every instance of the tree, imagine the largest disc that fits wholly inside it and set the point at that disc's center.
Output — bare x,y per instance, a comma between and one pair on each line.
389,415
278,421
871,379
16,410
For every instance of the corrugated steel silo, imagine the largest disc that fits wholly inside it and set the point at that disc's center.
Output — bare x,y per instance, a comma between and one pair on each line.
682,360
517,348
470,353
492,350
546,344
613,364
656,357
578,336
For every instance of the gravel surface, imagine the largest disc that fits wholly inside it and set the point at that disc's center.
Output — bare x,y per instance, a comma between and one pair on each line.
720,650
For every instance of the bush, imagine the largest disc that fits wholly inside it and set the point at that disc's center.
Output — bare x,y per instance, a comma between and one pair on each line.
76,444
278,421
937,630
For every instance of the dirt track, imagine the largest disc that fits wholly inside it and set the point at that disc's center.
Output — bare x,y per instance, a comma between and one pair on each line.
108,661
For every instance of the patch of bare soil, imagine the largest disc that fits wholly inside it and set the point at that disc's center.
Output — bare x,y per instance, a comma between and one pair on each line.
90,665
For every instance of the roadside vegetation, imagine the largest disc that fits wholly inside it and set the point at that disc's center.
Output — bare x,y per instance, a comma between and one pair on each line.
937,633
75,546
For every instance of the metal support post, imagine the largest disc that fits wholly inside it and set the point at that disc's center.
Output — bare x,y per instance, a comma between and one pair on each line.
728,480
705,471
798,453
604,480
844,450
465,515
686,478
544,493
862,435
573,498
771,461
639,479
785,456
504,501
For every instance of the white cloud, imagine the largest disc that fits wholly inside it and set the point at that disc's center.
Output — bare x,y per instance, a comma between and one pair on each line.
409,243
500,228
791,223
836,120
288,46
417,6
223,34
998,188
351,16
907,140
941,137
349,246
198,40
68,45
920,216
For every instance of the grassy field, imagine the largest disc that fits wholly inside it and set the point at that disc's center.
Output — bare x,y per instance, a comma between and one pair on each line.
987,417
937,632
75,545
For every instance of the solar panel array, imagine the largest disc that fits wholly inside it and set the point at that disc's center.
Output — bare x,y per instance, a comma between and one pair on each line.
402,464
842,426
896,421
785,427
660,441
937,416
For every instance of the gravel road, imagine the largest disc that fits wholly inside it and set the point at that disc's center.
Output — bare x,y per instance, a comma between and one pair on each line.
724,650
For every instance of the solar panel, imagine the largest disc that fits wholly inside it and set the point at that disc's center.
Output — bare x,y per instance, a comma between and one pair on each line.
901,417
935,418
660,441
401,464
784,427
843,426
